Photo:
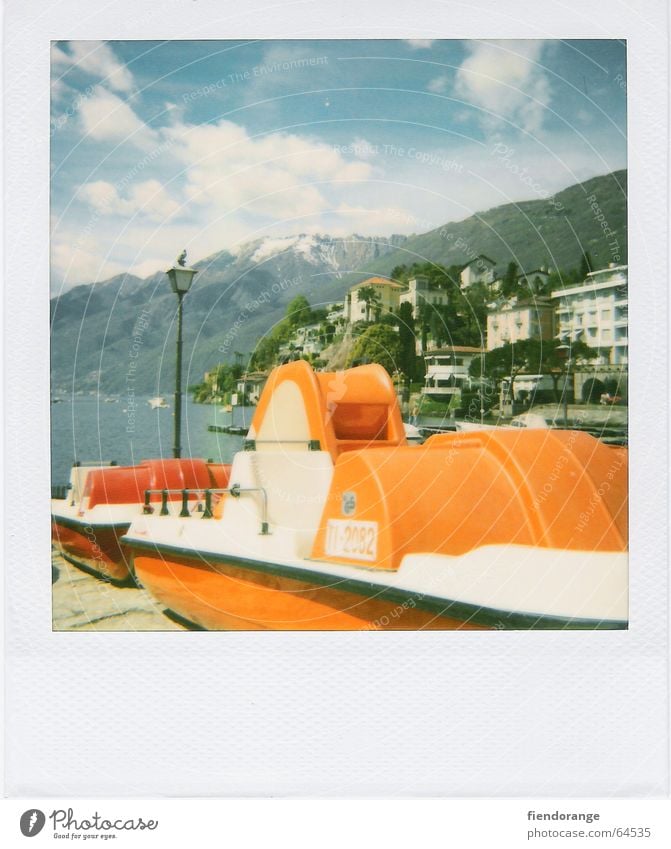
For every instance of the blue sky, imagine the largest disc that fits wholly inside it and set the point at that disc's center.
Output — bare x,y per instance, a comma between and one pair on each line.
209,144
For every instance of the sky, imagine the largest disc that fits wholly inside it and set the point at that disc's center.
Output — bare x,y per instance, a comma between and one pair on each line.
157,146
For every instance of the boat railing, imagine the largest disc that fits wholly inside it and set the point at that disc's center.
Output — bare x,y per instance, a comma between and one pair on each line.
96,463
235,491
312,444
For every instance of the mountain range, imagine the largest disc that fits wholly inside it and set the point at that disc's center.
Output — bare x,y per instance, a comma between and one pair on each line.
118,334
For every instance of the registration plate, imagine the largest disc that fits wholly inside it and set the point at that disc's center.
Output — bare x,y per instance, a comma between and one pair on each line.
354,540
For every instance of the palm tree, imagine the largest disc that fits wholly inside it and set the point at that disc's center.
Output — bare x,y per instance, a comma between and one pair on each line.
368,296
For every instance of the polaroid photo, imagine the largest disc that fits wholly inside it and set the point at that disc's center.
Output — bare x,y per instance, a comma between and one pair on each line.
329,373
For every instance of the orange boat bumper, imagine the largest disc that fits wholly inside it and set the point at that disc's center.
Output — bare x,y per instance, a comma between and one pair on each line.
95,548
217,593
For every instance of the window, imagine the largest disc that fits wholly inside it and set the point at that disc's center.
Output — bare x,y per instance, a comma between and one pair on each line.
605,315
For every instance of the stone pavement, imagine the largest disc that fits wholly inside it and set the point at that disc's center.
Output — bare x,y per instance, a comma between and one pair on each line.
81,602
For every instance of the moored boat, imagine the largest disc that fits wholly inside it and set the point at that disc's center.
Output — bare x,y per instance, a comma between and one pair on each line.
332,522
100,502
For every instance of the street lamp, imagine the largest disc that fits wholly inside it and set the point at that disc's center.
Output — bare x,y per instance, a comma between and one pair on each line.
564,352
180,278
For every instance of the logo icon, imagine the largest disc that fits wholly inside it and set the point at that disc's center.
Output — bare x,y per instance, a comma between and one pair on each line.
348,503
32,822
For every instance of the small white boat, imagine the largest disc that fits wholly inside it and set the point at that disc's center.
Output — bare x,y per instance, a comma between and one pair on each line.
532,421
413,434
157,403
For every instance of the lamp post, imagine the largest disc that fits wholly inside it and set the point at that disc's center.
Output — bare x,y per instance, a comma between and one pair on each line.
180,278
564,352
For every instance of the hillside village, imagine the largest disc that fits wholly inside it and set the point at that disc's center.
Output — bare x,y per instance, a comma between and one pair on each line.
462,339
242,292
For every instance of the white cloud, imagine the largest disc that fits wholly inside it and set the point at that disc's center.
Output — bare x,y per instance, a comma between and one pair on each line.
100,249
106,117
97,59
148,199
272,175
375,220
78,259
363,149
504,77
438,85
420,43
59,90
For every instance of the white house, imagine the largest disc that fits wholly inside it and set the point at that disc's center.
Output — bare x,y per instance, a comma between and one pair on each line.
480,269
305,340
447,371
597,312
534,280
251,384
336,314
518,320
419,292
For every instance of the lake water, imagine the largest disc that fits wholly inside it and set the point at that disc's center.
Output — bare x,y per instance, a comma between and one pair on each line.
86,428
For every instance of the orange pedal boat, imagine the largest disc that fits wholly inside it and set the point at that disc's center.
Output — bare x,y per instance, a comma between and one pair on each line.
331,521
102,500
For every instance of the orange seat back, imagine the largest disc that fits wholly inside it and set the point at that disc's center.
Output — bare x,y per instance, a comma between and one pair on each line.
341,411
115,485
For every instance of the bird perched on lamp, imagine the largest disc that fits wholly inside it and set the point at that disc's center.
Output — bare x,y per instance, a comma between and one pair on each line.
181,259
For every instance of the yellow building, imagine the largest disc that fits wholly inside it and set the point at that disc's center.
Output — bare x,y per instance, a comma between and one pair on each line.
387,299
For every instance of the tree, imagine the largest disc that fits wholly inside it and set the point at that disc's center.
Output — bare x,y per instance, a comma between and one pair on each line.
265,353
468,319
298,311
379,344
424,319
586,265
509,281
439,276
368,296
439,324
407,340
532,356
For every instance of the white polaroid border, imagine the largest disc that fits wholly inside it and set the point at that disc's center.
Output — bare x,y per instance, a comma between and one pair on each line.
329,714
